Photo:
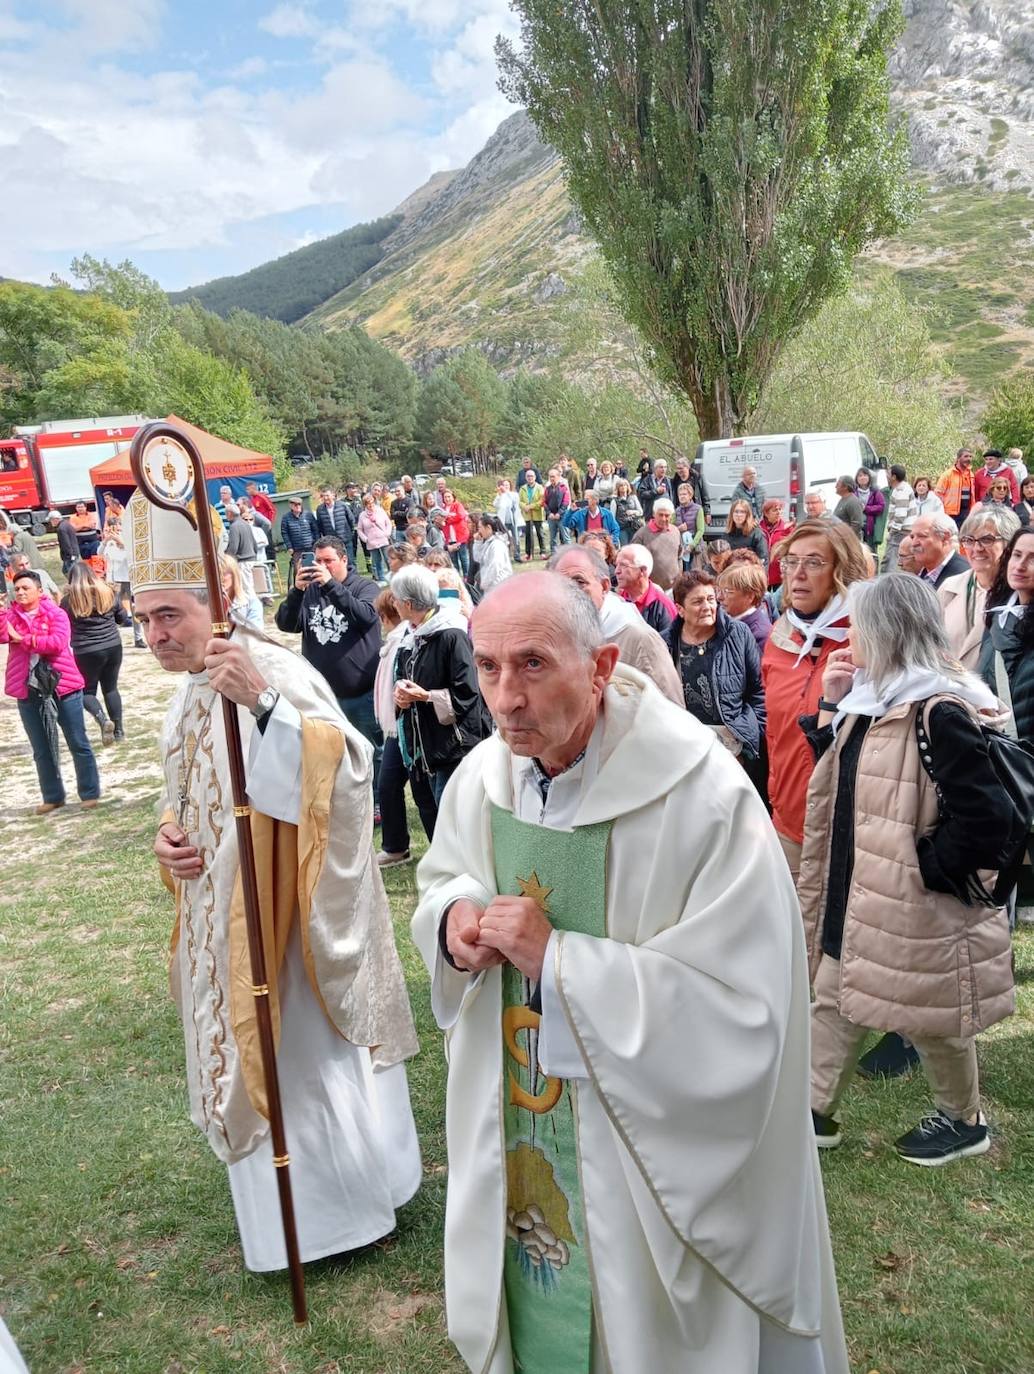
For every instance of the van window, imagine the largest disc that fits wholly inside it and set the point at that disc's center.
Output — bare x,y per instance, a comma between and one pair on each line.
869,458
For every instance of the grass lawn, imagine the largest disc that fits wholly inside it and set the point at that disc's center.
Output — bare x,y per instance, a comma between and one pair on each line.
118,1250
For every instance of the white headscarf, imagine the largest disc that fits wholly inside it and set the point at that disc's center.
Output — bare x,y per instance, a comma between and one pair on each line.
822,627
912,684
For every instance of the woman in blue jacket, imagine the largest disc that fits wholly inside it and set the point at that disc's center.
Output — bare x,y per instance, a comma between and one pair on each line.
718,662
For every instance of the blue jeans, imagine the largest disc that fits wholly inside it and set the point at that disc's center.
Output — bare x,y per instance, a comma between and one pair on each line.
556,534
439,779
379,564
625,536
358,711
73,727
460,556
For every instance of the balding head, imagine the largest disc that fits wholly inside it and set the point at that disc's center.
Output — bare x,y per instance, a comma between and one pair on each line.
542,665
586,569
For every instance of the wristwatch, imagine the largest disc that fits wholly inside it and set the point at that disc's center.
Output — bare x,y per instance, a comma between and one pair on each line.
825,705
267,699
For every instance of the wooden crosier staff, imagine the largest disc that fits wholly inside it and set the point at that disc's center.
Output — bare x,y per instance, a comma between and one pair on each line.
169,470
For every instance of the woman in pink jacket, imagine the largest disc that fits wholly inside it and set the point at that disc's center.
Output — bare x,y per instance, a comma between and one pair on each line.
38,633
375,529
457,533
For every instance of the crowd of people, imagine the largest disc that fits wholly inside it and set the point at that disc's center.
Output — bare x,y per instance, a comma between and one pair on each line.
752,635
850,708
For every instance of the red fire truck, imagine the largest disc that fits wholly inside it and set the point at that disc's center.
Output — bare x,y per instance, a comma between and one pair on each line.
47,467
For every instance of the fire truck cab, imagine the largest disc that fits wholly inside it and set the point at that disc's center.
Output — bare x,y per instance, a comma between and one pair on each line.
47,467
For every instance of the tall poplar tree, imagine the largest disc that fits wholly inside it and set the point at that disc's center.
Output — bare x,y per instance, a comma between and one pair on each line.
731,157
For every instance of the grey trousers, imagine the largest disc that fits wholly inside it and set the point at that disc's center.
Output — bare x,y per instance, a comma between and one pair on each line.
950,1065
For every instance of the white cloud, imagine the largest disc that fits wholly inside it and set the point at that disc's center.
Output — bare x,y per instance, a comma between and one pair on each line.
289,21
118,160
115,25
248,69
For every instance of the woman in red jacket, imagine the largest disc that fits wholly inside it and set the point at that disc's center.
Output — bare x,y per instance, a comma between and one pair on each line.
457,533
820,559
775,529
38,633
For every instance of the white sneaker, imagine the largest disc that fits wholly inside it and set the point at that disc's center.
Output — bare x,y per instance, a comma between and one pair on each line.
386,860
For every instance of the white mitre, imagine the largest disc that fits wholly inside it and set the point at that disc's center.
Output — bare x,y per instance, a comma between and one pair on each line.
163,548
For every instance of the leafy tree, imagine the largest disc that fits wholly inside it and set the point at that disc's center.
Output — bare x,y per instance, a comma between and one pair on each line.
441,418
46,330
1008,420
867,362
731,157
220,398
462,407
606,420
529,394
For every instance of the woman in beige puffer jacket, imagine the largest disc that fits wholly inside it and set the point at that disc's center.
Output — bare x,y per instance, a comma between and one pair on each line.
893,942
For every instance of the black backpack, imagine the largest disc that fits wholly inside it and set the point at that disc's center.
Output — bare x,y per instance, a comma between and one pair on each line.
1013,764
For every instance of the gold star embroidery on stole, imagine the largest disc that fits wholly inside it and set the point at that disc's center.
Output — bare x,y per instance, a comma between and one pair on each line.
531,887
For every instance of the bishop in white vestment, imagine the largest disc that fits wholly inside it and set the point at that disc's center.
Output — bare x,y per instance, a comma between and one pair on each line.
338,998
618,965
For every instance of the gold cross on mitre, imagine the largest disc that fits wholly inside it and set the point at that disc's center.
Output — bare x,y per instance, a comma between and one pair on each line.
531,887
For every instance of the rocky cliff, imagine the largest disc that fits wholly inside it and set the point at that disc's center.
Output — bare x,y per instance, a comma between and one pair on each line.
964,78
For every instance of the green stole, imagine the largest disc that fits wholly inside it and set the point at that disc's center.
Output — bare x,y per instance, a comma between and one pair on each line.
546,1270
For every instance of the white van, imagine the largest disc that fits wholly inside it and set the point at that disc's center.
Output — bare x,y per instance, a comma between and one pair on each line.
788,466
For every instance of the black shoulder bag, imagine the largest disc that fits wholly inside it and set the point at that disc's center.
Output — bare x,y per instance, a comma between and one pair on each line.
1013,763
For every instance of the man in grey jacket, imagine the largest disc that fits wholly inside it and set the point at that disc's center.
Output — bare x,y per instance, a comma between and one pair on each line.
240,544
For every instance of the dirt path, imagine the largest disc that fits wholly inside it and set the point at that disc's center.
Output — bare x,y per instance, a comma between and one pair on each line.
129,771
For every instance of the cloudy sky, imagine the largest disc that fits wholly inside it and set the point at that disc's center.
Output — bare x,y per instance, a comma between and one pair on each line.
200,137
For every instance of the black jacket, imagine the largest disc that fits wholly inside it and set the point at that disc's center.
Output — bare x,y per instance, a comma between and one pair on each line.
443,659
755,541
337,520
299,532
735,679
651,490
67,540
340,630
1019,668
955,564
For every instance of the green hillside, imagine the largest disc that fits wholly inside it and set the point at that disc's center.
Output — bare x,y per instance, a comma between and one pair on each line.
291,286
967,262
498,280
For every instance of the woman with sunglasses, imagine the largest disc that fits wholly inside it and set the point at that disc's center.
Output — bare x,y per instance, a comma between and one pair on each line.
982,539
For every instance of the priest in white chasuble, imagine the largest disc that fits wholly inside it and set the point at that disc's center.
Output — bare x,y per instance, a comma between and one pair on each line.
618,964
338,998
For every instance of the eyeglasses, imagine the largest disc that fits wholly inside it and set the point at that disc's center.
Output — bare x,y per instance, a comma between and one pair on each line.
969,541
810,564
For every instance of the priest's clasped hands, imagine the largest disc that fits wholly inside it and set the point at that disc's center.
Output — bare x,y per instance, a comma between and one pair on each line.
509,930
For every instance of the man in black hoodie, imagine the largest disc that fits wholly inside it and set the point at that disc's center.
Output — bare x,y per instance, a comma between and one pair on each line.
332,607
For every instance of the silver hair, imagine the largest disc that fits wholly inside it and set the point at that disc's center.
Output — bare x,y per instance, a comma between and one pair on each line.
417,585
664,504
596,561
944,525
1003,521
897,623
581,620
231,508
641,556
